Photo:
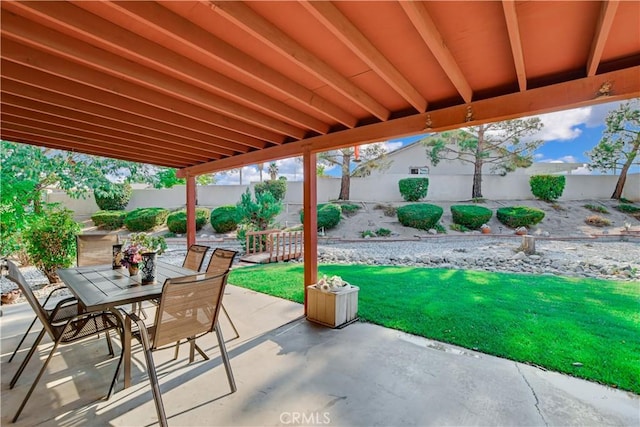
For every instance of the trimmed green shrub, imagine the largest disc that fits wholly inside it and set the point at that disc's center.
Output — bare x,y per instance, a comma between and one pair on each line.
51,241
111,220
113,197
519,216
628,209
329,215
422,216
177,221
383,232
145,219
277,188
547,187
224,219
471,216
413,189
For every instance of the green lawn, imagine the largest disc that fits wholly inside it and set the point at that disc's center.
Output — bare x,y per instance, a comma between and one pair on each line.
548,321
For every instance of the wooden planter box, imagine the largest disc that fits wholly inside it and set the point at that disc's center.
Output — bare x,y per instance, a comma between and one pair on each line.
335,310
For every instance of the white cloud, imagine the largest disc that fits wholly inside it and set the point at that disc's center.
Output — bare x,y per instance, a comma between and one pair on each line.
582,170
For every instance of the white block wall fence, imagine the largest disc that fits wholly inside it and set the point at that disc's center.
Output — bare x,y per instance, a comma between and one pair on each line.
380,188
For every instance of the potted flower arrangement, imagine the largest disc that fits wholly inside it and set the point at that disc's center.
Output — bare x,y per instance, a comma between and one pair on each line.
332,302
140,252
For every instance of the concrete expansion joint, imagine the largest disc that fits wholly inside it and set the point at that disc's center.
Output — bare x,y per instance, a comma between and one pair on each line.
535,396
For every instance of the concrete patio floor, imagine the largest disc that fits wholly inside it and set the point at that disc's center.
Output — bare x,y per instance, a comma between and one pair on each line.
292,372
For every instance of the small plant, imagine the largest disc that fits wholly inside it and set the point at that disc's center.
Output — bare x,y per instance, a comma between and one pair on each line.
110,220
388,210
277,188
623,200
422,216
629,209
547,187
350,209
367,233
557,207
519,216
147,242
458,227
597,221
145,219
224,219
112,197
596,208
478,200
177,221
470,216
51,241
383,232
413,189
440,228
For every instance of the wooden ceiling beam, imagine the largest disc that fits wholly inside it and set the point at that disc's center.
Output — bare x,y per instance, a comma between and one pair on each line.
196,82
427,29
206,44
605,21
104,69
198,132
341,27
33,136
572,94
112,91
254,24
134,137
513,28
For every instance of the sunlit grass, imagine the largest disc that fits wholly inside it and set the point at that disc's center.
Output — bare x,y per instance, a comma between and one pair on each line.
548,321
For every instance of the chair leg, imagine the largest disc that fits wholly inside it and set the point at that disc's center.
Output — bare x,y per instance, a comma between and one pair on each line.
175,355
115,376
111,353
225,359
153,377
23,365
22,340
35,382
224,310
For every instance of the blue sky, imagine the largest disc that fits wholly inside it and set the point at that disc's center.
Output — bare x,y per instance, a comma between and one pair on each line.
568,134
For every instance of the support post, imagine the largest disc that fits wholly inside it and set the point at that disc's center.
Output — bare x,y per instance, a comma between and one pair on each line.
529,244
310,225
191,210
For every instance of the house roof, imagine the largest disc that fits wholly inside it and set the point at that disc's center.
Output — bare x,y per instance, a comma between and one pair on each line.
212,85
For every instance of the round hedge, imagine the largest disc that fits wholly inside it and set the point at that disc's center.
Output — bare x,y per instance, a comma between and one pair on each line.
110,220
177,221
113,197
145,219
422,216
471,216
329,215
224,219
519,216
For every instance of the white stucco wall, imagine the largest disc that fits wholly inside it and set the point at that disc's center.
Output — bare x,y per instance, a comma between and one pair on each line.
376,188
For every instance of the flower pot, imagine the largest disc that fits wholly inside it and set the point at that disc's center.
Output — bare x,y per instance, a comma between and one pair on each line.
486,230
333,309
133,270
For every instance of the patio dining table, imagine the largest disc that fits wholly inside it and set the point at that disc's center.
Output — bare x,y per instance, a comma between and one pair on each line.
100,287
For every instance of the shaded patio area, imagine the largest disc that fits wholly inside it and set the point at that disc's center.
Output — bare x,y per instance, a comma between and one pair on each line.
292,372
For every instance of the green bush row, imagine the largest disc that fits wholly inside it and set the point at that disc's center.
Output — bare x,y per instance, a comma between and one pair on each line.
471,216
224,219
177,221
519,216
111,220
547,187
145,219
422,216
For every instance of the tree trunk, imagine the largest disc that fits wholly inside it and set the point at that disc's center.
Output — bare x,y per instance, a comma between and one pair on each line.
617,193
476,191
345,182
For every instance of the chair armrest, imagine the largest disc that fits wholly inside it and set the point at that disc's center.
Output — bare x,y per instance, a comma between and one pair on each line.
61,304
142,334
53,291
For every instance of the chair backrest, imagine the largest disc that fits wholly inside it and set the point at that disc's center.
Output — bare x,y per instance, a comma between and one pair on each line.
221,260
15,275
95,249
189,307
195,257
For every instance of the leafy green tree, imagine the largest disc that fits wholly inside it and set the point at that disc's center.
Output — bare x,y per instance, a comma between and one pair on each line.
166,178
373,156
505,146
620,143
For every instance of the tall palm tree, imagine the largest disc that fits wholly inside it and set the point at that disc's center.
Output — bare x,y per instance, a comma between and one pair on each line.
273,171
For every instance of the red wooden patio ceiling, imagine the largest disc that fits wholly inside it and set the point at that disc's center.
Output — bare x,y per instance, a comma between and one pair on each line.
205,86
